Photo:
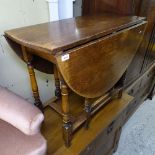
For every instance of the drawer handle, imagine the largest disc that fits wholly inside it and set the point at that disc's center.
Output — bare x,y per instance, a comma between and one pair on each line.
110,127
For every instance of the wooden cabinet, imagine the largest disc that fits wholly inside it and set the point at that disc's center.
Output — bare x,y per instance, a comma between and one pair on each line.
145,55
139,80
107,141
102,6
140,90
146,8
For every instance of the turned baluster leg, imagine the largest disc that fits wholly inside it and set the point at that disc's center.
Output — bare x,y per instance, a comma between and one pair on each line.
57,82
67,124
34,85
88,112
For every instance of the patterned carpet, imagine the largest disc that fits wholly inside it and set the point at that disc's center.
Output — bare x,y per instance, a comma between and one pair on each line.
138,135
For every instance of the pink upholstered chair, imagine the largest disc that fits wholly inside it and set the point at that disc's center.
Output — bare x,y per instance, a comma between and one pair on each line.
19,126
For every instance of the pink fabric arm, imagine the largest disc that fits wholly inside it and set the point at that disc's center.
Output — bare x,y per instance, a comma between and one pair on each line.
19,113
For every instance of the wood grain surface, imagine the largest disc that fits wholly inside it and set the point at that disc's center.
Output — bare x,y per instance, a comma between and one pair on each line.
116,6
65,34
95,68
52,126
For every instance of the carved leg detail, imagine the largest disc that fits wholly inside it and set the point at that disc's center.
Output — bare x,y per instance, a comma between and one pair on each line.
67,124
88,112
34,85
57,83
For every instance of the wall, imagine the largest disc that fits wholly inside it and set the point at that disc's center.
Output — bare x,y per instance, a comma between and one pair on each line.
13,72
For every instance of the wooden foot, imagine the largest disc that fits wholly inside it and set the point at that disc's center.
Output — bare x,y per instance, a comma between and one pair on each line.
67,124
34,85
67,133
88,112
57,83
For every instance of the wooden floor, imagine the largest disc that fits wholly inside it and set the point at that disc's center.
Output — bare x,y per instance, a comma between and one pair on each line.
52,126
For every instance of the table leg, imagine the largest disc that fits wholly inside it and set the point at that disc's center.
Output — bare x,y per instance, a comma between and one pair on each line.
67,124
88,112
34,85
57,82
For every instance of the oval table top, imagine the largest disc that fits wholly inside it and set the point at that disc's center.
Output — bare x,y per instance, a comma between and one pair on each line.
62,35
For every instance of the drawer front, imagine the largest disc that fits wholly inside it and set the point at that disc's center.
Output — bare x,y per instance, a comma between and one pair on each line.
107,144
90,150
135,89
140,91
131,108
107,140
147,79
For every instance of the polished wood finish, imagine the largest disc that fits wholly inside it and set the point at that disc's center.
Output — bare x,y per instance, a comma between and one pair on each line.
145,57
150,55
50,41
100,123
146,8
111,55
50,38
34,85
67,124
52,124
101,6
99,49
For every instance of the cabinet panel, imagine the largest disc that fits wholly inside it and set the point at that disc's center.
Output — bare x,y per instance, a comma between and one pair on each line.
90,150
148,10
150,55
107,142
115,6
106,145
144,56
